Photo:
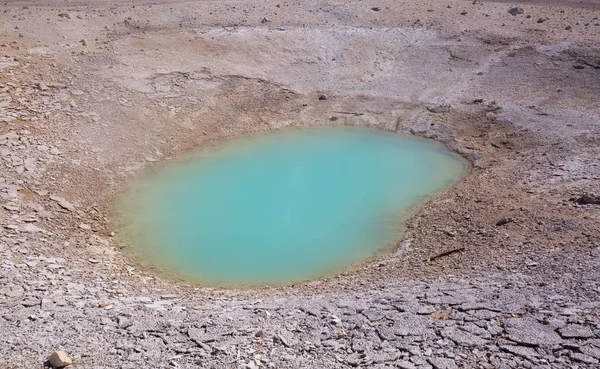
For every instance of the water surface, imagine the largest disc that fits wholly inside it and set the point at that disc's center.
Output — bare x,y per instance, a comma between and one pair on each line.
282,207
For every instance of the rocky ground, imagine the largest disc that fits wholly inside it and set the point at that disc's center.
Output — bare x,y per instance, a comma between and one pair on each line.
93,94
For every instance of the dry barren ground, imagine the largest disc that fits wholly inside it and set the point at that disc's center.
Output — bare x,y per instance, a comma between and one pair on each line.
94,93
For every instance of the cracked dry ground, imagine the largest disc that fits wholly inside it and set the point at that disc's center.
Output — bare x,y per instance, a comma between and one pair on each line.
92,95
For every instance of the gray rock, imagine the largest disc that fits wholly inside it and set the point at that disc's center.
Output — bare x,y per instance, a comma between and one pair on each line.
199,335
426,310
353,359
555,323
462,338
63,203
584,358
429,128
576,331
31,302
588,199
442,363
385,333
42,86
530,332
515,11
403,364
379,357
407,324
142,299
30,228
14,294
493,328
439,108
251,365
524,352
591,350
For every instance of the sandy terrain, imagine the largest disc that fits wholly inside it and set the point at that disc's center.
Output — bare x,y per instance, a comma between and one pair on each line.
95,93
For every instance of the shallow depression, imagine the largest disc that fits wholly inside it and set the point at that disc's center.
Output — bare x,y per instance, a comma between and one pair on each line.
282,207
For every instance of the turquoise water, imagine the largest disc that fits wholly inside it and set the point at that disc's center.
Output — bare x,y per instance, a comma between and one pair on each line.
282,207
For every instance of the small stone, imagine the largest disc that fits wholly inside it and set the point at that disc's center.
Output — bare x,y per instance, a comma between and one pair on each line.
375,9
462,338
515,11
30,302
504,221
200,336
576,331
281,339
590,350
85,226
156,306
442,363
42,86
405,365
353,359
30,218
525,352
14,294
140,299
426,310
493,328
323,97
46,304
63,203
30,228
59,359
443,108
583,358
588,199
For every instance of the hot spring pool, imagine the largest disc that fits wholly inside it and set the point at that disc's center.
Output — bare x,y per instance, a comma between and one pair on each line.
282,207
